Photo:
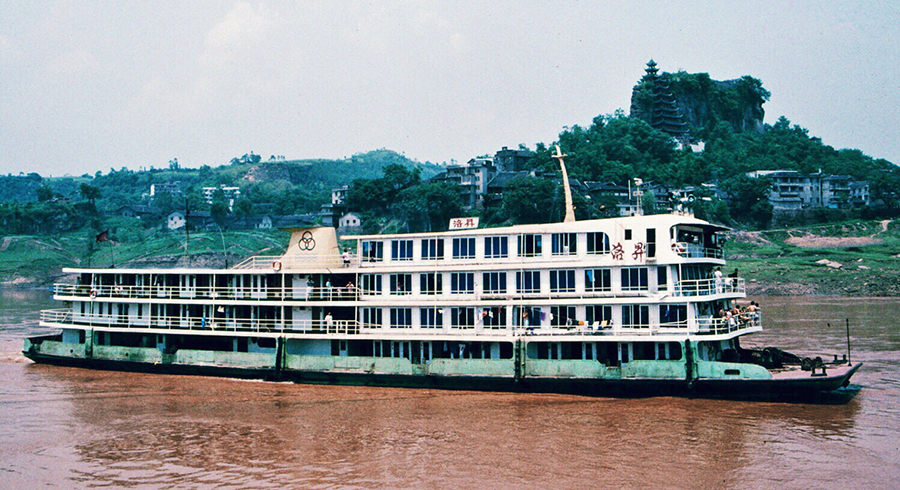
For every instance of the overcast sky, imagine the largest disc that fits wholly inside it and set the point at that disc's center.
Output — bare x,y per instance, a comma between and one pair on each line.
93,85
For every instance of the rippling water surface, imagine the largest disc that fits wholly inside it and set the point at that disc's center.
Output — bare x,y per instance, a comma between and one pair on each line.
75,428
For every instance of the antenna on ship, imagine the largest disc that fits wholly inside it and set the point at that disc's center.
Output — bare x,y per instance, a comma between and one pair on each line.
570,209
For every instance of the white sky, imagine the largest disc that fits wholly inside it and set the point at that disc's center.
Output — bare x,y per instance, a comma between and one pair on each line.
93,85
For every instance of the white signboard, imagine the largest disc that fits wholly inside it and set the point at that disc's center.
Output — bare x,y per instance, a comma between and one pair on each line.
463,223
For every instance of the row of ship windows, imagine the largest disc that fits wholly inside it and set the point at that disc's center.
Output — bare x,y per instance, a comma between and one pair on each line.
632,316
529,281
495,247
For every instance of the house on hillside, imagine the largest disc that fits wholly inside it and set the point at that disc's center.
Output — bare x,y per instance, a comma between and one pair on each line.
506,160
196,220
471,178
172,188
795,191
349,221
138,211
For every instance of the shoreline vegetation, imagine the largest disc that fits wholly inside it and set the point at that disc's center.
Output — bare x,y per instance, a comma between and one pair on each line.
856,258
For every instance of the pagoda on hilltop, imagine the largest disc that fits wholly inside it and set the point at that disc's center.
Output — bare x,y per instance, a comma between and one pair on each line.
652,101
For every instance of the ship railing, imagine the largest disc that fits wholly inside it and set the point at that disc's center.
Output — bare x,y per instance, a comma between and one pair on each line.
270,293
706,287
276,263
743,321
706,326
696,251
201,324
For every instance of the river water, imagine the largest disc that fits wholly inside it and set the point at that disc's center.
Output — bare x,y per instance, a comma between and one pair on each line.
75,428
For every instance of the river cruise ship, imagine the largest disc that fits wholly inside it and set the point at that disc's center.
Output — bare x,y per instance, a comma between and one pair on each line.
621,306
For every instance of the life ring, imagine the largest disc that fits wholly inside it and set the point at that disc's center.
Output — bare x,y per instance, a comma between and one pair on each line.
276,264
93,293
677,248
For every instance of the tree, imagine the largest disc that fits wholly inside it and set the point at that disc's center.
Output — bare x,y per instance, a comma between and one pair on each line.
429,207
89,192
750,200
529,199
218,211
648,202
44,193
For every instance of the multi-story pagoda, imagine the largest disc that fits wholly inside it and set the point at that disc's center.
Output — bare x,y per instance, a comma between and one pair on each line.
653,101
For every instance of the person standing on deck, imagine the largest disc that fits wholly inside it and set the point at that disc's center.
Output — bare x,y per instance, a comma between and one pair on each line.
717,275
732,279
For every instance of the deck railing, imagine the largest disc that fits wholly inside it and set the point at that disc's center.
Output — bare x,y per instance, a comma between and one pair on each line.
288,293
695,251
706,287
201,324
279,262
700,287
706,326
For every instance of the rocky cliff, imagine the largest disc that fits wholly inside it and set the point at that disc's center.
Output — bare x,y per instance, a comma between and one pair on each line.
705,102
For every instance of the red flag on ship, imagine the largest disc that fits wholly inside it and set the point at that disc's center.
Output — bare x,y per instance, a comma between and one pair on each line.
103,236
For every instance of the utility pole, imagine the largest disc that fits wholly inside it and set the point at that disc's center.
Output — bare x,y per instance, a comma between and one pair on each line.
187,232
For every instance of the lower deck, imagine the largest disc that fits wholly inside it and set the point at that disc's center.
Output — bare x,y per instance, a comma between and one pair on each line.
515,364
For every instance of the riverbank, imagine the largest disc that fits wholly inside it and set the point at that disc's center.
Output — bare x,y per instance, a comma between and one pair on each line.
844,259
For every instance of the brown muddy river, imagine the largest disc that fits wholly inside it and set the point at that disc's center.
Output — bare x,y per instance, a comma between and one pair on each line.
74,428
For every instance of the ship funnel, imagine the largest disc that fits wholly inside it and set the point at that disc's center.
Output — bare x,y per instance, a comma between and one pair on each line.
570,209
314,246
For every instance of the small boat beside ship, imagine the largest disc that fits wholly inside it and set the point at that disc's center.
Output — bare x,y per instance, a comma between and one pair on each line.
626,306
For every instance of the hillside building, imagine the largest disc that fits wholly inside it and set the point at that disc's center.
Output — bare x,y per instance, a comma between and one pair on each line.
231,194
173,188
794,191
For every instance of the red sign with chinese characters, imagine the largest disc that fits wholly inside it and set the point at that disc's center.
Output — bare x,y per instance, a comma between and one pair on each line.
463,223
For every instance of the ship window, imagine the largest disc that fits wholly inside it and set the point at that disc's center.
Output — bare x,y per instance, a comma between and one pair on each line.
673,316
462,282
597,243
370,284
562,281
370,317
669,351
562,316
463,248
563,244
628,234
431,283
651,242
529,245
635,316
644,351
401,250
496,247
494,282
432,248
401,317
634,279
372,251
462,317
494,317
598,313
528,282
527,316
401,283
661,277
431,317
597,280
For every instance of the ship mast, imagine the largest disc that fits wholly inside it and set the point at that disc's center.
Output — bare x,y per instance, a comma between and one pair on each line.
570,209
